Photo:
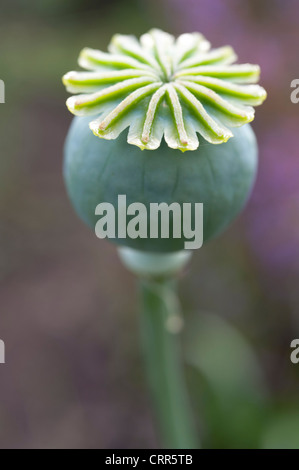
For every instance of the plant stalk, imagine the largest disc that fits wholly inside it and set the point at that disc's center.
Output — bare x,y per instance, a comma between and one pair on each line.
161,322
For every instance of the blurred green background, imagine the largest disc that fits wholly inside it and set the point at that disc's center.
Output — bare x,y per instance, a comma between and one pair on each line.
74,376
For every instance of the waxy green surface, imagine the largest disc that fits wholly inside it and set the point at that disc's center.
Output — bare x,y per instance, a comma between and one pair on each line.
219,176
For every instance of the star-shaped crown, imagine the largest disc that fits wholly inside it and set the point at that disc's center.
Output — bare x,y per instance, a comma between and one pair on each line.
161,86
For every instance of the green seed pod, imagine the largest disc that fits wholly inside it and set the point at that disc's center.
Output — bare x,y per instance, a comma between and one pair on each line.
174,96
97,170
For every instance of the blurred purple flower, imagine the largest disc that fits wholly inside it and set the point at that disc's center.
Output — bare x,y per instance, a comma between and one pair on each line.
273,212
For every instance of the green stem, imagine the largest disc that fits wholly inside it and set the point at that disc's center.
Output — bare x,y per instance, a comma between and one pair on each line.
160,324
